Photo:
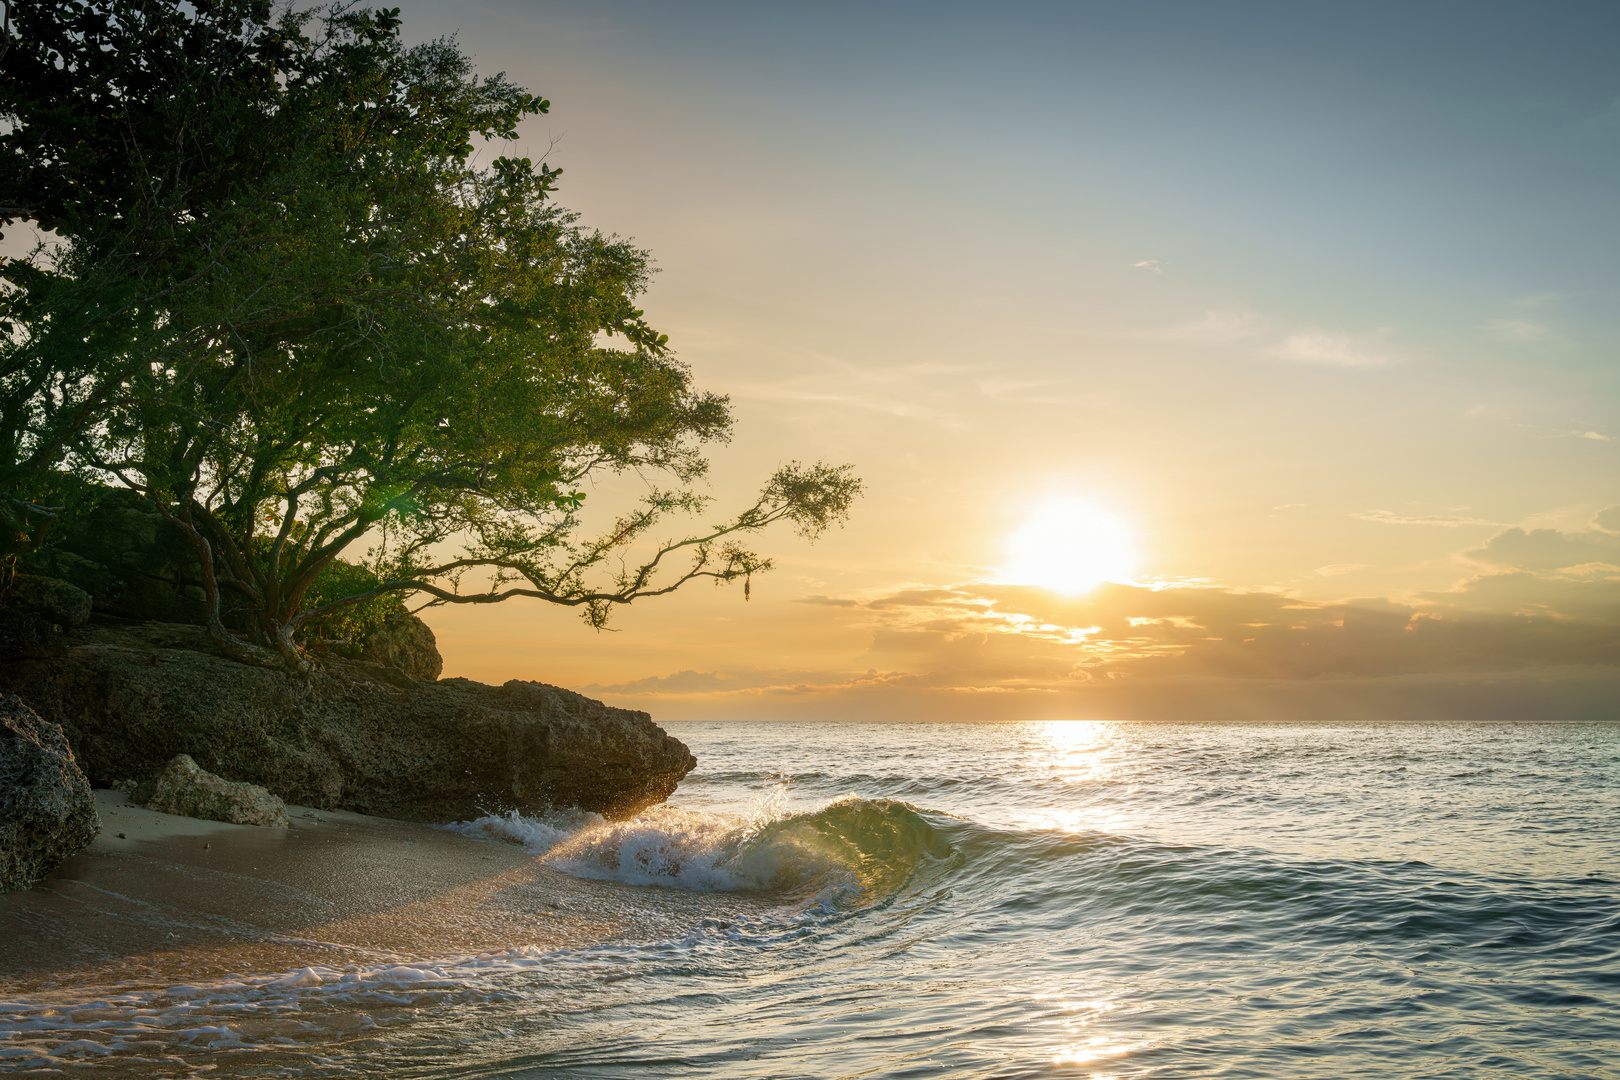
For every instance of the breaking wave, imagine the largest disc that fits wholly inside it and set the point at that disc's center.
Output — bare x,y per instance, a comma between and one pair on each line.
847,852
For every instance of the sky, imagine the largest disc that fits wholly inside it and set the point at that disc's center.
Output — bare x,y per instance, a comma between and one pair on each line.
1314,305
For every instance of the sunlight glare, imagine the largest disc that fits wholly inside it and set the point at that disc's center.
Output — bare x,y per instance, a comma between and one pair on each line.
1069,546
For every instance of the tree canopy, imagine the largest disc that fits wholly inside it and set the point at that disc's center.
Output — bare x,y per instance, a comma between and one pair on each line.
292,310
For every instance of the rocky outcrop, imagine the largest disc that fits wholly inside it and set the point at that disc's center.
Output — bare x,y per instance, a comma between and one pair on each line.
353,736
115,546
58,601
22,633
407,644
183,788
34,613
47,811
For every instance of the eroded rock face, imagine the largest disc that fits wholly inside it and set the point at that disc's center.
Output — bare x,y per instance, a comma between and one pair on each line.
51,598
183,788
22,633
120,550
406,643
47,810
354,736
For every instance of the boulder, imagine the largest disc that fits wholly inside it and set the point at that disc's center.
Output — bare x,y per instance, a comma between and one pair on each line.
47,810
51,598
115,545
406,643
182,788
22,633
352,736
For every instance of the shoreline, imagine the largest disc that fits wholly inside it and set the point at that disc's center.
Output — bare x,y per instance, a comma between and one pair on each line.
159,899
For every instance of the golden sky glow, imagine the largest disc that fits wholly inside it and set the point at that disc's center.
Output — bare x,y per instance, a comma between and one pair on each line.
1325,322
1269,354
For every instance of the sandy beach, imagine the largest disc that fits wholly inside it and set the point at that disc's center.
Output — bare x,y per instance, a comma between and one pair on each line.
160,899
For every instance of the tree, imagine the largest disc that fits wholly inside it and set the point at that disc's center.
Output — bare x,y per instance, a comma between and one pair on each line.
162,140
343,330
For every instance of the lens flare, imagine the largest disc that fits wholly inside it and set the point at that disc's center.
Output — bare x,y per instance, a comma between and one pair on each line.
1069,546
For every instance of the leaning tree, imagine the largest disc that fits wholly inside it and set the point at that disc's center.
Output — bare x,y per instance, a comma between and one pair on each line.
339,331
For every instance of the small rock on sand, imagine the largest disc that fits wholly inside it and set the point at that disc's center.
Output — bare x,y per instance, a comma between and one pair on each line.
185,788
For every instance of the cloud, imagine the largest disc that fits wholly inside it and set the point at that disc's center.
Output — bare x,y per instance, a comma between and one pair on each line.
1045,392
1519,330
686,682
1220,327
1593,435
1508,643
903,409
1226,327
1330,350
691,683
1153,266
1447,521
1335,569
891,391
924,598
1026,636
969,658
1555,549
1589,592
1545,607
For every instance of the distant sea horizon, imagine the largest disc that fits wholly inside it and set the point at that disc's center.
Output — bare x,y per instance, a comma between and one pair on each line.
1576,693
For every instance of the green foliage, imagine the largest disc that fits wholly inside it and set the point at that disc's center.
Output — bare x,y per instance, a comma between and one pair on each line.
346,627
294,315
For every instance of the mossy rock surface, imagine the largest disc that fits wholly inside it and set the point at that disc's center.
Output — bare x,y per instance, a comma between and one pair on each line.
115,546
47,810
406,643
352,736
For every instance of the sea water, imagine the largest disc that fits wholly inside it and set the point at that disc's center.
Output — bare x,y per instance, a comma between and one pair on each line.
1003,900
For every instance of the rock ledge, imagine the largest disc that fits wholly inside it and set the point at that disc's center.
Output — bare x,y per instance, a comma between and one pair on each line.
354,736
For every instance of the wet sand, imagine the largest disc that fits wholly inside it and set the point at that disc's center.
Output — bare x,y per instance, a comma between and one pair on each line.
161,899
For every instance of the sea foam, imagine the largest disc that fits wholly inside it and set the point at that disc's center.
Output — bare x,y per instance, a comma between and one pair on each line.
843,852
271,1011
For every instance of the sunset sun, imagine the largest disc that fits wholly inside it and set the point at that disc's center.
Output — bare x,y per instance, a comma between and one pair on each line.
1069,546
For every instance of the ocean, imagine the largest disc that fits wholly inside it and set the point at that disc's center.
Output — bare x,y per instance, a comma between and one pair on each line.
1066,899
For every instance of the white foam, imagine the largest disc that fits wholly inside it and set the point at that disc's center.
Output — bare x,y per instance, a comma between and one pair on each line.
765,849
769,849
663,846
307,977
263,1011
536,835
83,1047
401,974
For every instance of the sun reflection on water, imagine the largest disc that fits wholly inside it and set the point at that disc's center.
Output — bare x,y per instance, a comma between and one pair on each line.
1082,1046
1081,755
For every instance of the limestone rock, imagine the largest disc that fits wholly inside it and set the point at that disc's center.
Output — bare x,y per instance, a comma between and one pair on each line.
47,810
352,736
117,547
406,643
22,633
52,598
182,788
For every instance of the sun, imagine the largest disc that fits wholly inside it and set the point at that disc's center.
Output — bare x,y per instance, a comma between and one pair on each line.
1069,546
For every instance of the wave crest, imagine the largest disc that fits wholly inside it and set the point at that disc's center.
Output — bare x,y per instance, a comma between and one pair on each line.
848,851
